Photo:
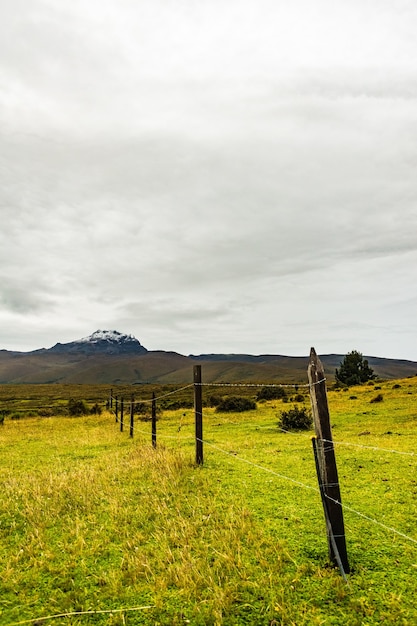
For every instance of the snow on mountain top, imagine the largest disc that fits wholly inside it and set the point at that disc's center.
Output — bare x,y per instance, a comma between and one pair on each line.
113,336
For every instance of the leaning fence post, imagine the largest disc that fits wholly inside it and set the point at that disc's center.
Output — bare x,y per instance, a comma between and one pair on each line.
121,414
132,408
198,411
153,420
326,464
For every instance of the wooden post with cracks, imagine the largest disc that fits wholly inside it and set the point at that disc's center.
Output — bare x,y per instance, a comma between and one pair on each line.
198,412
326,465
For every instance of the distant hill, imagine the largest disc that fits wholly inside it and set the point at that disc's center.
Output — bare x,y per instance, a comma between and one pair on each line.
110,357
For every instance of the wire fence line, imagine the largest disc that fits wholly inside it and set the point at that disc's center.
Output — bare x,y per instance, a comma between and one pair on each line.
375,448
39,620
238,458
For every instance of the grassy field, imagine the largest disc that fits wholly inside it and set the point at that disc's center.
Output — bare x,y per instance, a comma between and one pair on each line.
98,528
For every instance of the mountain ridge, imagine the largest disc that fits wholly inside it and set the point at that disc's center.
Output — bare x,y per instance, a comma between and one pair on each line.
112,357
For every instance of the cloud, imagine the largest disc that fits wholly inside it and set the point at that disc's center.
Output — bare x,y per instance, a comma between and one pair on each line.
207,174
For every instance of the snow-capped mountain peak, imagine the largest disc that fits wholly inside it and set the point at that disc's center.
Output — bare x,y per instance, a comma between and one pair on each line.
113,336
102,342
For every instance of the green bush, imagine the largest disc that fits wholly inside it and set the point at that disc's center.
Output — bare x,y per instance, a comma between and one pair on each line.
213,400
378,398
298,398
297,418
77,407
235,404
271,393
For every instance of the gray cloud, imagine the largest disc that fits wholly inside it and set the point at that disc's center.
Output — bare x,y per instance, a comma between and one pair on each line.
209,177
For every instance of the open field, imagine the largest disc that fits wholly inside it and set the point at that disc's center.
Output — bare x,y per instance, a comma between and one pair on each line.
107,530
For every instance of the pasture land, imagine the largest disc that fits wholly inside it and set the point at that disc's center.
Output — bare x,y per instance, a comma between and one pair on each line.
102,529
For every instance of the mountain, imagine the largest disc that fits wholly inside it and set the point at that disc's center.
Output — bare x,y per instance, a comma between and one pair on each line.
101,342
111,357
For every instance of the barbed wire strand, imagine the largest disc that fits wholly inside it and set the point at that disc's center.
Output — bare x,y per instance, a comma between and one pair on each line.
315,489
371,519
358,445
291,385
72,613
169,393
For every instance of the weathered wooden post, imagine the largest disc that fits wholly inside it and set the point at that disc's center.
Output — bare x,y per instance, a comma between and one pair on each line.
111,399
116,406
326,465
121,414
153,420
198,411
132,410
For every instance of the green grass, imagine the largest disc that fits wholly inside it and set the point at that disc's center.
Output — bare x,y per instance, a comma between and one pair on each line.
92,520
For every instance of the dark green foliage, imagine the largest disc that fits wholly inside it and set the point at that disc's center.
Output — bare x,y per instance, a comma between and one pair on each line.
271,393
235,404
354,370
47,412
378,398
77,407
213,400
174,405
297,418
142,408
298,398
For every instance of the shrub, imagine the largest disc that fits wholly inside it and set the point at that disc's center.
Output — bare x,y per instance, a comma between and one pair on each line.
95,409
46,412
213,400
297,418
298,398
235,404
271,393
378,398
77,407
174,405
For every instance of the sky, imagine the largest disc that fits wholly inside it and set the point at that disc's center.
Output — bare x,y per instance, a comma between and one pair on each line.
227,176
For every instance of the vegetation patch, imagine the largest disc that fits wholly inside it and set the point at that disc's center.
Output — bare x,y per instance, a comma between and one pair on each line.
297,418
93,520
235,404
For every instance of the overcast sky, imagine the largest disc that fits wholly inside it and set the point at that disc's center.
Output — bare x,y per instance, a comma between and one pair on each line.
210,176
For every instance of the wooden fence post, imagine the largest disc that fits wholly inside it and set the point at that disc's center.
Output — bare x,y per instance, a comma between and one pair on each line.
116,406
326,465
132,409
121,414
111,398
198,411
153,420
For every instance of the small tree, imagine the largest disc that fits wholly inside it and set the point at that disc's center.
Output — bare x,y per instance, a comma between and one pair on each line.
354,370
